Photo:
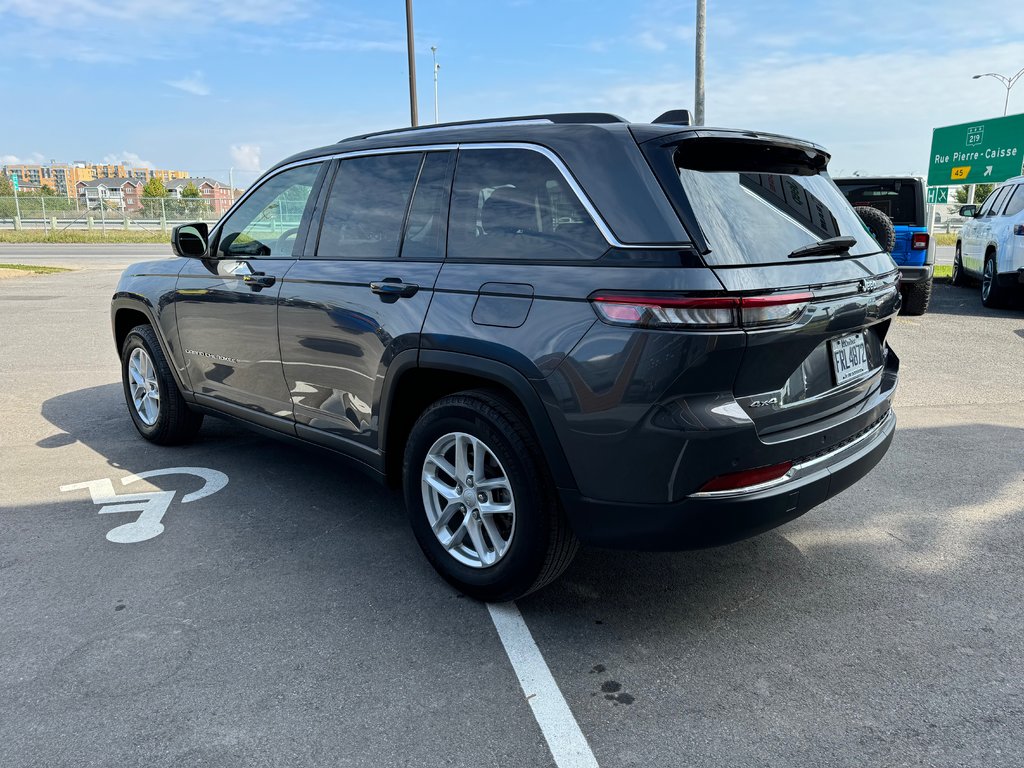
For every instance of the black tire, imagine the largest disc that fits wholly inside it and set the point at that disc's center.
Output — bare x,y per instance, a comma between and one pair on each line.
175,422
542,545
993,295
879,225
958,278
916,298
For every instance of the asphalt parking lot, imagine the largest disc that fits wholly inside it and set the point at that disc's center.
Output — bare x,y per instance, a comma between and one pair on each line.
288,617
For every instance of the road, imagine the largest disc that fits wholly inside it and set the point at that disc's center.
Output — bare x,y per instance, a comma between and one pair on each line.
289,619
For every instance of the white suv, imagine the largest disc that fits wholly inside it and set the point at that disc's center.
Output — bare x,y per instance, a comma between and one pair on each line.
991,244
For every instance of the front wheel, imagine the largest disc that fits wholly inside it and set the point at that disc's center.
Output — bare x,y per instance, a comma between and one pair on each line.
481,501
156,406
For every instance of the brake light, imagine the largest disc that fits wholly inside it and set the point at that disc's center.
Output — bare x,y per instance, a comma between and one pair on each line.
700,311
919,241
747,478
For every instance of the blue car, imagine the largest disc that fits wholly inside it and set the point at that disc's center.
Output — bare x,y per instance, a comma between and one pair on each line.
902,199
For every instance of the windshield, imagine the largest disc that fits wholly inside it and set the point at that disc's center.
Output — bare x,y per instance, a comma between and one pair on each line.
896,198
760,218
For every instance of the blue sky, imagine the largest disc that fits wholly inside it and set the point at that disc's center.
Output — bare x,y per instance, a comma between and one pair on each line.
211,84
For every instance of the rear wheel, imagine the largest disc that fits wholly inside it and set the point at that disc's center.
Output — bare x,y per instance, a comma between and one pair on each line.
917,297
481,502
992,294
156,406
959,278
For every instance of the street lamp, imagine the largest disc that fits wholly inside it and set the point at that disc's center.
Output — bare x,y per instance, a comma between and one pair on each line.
433,55
1008,83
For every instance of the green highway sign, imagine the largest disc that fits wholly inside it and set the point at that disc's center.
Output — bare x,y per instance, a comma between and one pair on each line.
14,181
975,153
938,195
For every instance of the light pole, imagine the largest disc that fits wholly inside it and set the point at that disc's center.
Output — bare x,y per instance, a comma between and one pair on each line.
413,110
433,55
1008,83
698,70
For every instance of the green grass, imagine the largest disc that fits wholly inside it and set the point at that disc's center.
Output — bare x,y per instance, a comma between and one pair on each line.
943,271
83,236
945,238
33,269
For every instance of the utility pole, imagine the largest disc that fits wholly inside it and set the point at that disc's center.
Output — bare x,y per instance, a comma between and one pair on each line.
231,182
411,45
698,69
433,55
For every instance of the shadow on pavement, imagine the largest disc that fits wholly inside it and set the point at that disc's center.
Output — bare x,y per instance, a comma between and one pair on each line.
950,299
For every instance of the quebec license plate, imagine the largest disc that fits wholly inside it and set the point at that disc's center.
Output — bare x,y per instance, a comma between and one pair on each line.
849,357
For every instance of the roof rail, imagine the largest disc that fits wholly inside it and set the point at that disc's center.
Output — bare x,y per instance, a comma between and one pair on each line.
558,117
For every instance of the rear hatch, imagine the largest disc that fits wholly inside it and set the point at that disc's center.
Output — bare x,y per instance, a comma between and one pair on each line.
902,199
781,237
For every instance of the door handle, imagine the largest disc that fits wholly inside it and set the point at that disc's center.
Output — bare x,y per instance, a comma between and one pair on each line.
259,280
394,288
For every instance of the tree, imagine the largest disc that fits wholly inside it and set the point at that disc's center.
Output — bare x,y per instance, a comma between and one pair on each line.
6,197
981,191
190,190
154,188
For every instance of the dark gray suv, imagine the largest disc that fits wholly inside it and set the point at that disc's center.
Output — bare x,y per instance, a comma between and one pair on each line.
548,330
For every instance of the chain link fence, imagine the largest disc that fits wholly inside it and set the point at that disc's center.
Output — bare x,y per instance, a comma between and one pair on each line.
56,213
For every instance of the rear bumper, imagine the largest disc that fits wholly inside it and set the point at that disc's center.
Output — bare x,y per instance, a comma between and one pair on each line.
707,520
916,275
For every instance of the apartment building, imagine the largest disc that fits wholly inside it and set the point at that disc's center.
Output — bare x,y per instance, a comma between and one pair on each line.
121,193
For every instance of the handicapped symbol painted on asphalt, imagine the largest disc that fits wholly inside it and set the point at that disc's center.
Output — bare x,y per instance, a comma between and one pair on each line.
151,506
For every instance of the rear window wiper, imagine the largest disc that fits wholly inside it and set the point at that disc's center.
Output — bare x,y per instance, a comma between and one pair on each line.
828,247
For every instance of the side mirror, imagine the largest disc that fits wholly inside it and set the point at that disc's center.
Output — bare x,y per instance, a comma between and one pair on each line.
969,211
191,240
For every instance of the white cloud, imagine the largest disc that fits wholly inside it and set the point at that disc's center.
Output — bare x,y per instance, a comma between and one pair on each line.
662,38
194,84
874,112
33,159
128,158
246,157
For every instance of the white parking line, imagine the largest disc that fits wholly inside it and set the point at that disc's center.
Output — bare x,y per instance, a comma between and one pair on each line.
566,741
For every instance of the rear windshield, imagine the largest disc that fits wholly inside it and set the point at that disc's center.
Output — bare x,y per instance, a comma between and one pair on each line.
896,198
751,217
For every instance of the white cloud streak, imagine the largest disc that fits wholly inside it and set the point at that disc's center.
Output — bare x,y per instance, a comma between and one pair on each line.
194,84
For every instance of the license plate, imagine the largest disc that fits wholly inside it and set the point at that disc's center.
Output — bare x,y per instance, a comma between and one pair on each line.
849,357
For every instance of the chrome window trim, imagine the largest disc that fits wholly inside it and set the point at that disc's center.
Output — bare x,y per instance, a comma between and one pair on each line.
570,180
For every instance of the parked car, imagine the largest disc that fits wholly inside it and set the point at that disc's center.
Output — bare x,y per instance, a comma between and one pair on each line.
548,330
991,244
902,199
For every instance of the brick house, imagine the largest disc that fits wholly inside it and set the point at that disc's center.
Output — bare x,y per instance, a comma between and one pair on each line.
215,193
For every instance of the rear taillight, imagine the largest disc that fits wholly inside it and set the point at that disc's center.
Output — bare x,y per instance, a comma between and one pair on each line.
919,241
748,478
700,311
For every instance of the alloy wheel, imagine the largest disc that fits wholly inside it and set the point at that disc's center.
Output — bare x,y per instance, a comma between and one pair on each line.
468,500
143,386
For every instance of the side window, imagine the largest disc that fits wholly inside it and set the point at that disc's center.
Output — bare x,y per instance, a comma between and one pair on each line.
267,224
515,204
1016,204
987,205
428,214
998,198
367,205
